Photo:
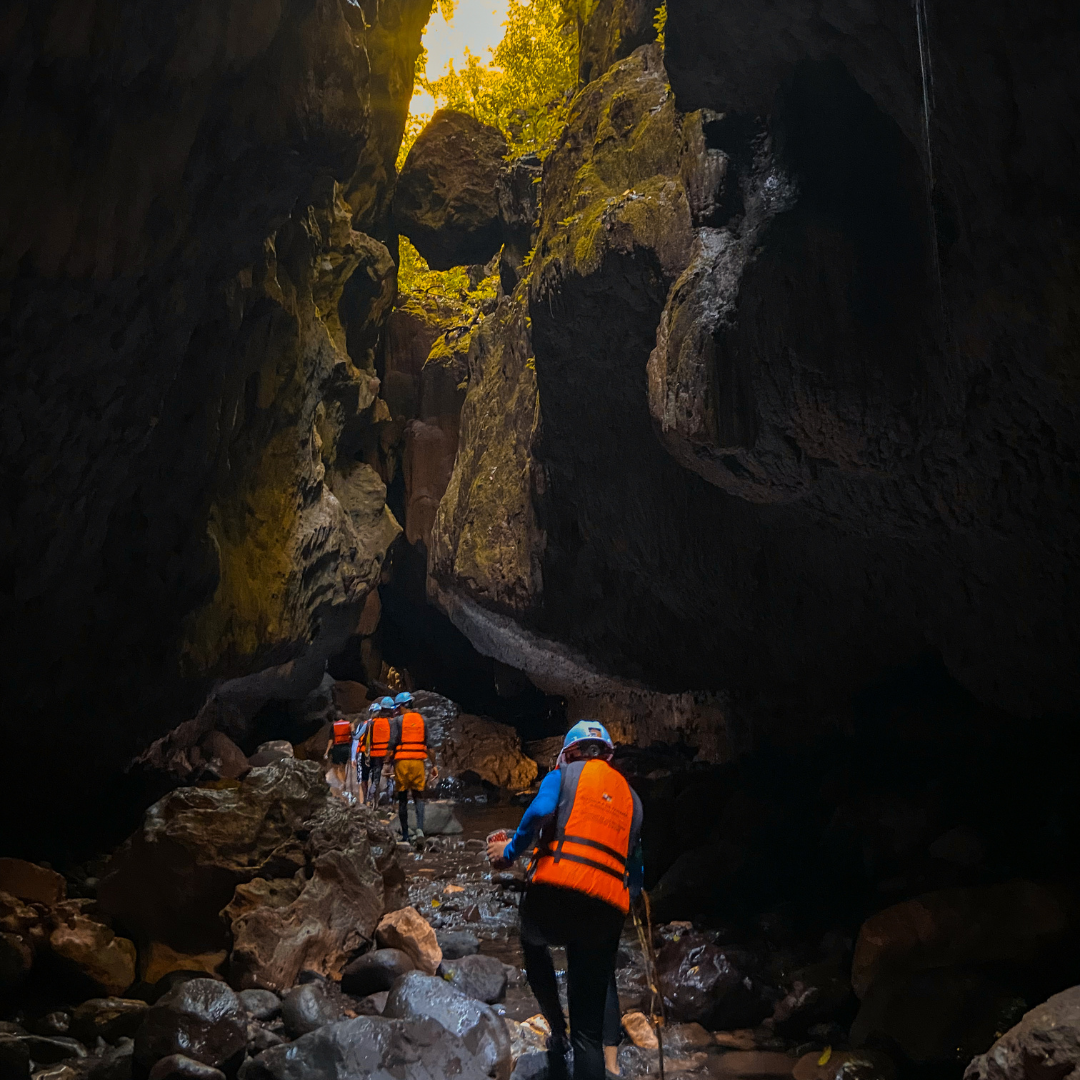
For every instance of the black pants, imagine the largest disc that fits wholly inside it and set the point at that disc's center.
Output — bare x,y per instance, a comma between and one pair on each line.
589,929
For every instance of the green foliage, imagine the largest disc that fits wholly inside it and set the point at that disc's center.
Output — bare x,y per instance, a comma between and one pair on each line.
660,22
525,89
415,279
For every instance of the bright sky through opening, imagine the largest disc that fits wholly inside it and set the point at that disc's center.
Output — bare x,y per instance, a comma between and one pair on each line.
477,24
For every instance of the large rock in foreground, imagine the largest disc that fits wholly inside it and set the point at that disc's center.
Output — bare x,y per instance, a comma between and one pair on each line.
370,1047
1046,1043
446,200
488,749
301,878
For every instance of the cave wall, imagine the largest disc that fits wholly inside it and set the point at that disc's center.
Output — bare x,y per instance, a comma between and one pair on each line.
797,419
192,286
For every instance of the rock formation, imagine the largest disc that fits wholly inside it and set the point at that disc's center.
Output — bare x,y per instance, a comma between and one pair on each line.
189,353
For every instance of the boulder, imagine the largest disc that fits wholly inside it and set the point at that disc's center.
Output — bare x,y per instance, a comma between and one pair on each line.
375,971
446,198
260,1004
226,759
181,1067
488,749
531,1066
935,1017
352,697
480,977
640,1031
1018,922
108,1018
56,1022
1045,1043
172,877
373,1048
311,1006
406,929
439,819
92,953
201,1019
16,959
545,752
707,984
457,943
27,881
418,996
49,1049
334,914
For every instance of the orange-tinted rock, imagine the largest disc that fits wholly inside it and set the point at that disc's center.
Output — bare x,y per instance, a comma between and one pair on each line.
95,952
157,959
26,881
351,697
640,1030
743,1039
407,930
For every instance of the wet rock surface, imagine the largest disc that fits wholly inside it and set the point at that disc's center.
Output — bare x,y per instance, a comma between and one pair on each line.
201,1019
375,971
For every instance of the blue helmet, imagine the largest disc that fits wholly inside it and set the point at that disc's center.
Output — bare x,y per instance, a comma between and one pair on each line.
586,731
386,703
403,698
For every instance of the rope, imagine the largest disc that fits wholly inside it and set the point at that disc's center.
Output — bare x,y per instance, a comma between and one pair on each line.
656,1009
927,71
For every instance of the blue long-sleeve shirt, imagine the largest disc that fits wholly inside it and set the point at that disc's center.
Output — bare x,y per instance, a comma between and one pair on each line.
542,809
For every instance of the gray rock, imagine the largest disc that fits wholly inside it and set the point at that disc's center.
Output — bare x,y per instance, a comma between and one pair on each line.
532,1066
113,1063
180,1067
261,1004
201,1018
457,943
372,1048
416,996
47,1050
375,971
57,1022
261,1038
306,1008
481,977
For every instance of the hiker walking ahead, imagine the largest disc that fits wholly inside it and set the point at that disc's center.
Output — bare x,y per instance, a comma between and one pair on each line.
588,820
409,750
379,743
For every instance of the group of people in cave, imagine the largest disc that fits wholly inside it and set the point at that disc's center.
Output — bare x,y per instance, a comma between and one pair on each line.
389,744
582,834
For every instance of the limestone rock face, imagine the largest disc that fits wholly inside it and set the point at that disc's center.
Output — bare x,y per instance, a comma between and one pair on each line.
185,347
612,31
445,201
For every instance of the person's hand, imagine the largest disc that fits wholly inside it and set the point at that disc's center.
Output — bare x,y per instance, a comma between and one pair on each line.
434,772
496,853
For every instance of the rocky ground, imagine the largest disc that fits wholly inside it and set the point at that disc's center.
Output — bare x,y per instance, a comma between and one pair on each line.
257,926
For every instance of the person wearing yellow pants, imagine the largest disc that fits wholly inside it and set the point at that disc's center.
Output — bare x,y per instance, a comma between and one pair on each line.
409,751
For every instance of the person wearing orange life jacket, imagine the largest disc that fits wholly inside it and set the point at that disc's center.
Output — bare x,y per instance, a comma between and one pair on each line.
585,866
380,744
338,748
409,750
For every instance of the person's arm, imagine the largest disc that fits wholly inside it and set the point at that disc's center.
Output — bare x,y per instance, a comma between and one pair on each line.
395,737
635,864
539,810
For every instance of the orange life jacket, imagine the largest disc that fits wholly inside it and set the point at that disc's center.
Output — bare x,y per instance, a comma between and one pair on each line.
380,736
413,745
591,840
342,733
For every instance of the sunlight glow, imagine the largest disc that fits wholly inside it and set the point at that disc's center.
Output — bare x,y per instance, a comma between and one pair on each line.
476,25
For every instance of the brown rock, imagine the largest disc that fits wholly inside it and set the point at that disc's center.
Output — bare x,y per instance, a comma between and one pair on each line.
173,876
313,748
1016,922
351,697
181,1067
445,201
333,916
26,881
157,959
410,932
231,761
613,30
1045,1043
490,750
640,1030
682,1037
95,952
16,959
